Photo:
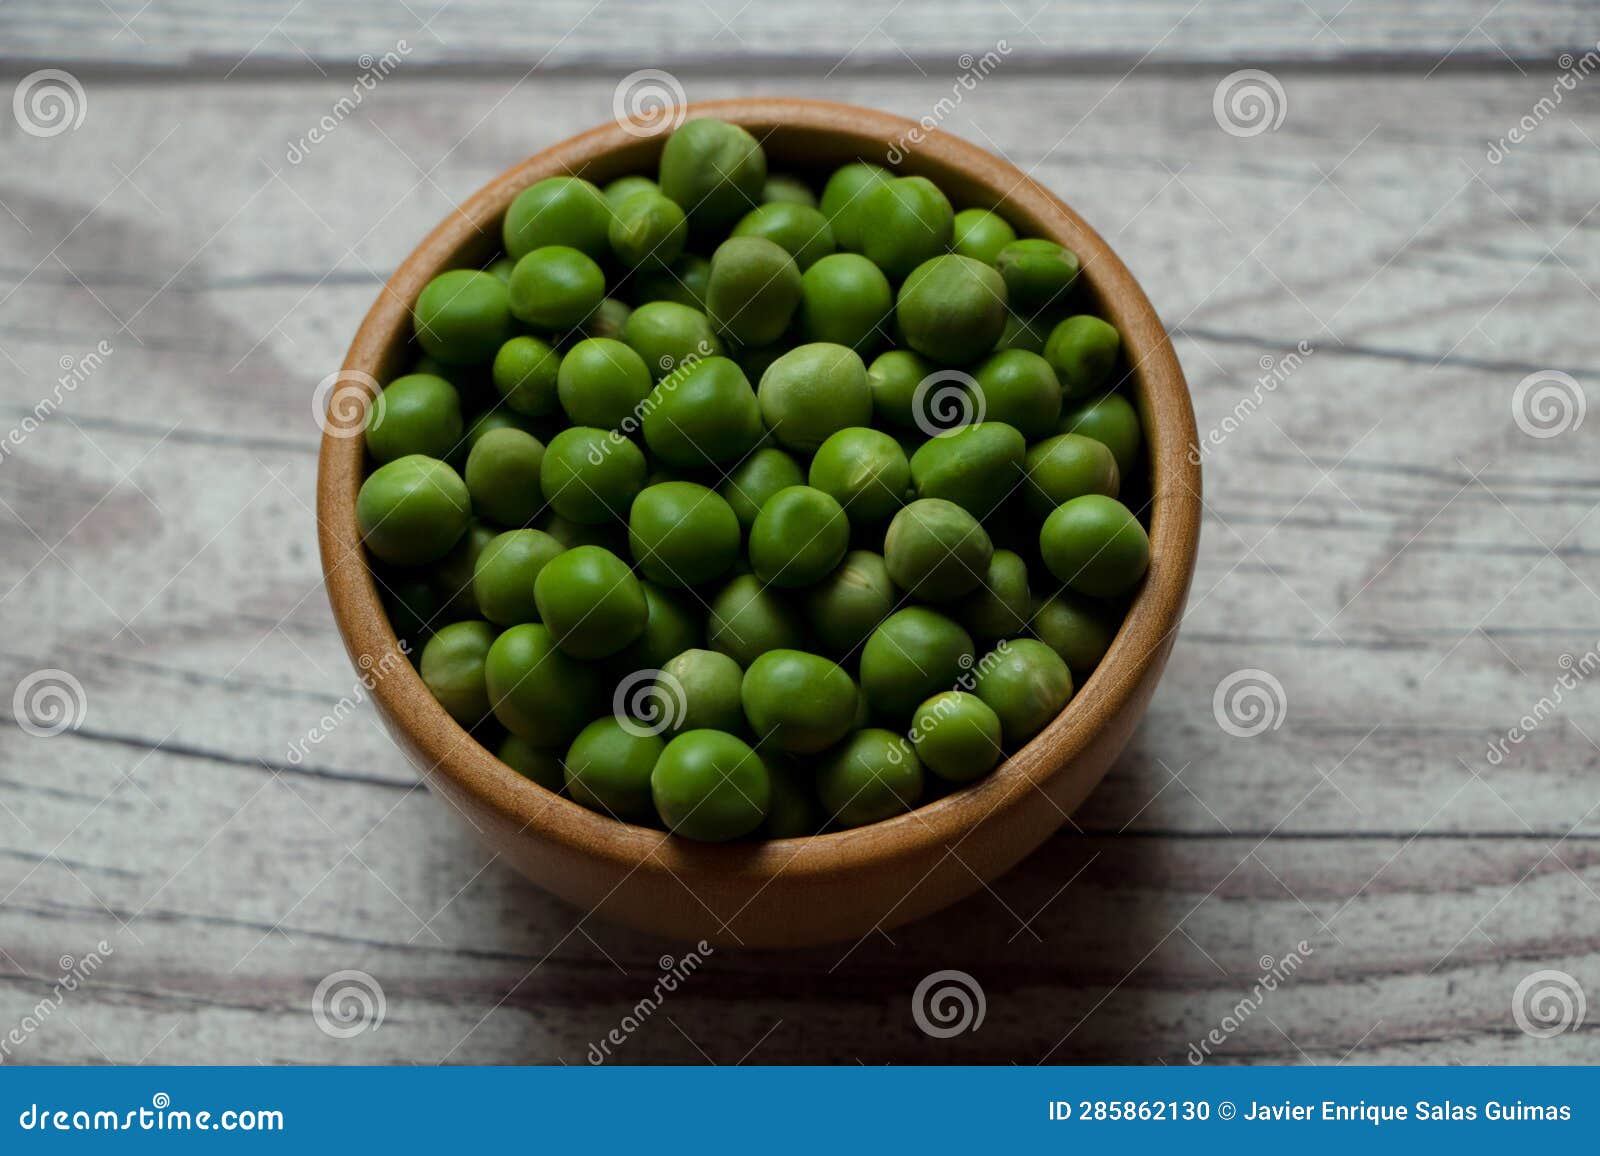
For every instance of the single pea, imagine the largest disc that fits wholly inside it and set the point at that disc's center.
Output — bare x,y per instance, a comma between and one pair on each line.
415,414
1027,332
952,309
1082,350
710,786
531,762
608,320
936,550
1037,273
797,701
504,574
874,776
1068,466
755,479
682,534
812,392
622,188
591,475
452,669
845,299
705,413
957,736
754,289
864,470
683,282
412,510
850,603
715,170
893,379
608,769
1079,629
612,536
1001,607
558,211
526,370
501,267
843,196
502,476
916,652
1020,389
799,535
1112,421
669,335
784,189
602,383
648,231
793,812
1095,545
452,575
463,316
903,223
975,466
500,417
591,602
538,693
981,235
705,684
1026,684
671,626
800,230
747,619
556,287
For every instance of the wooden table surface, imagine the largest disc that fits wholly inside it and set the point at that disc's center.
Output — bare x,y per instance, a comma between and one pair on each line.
1383,537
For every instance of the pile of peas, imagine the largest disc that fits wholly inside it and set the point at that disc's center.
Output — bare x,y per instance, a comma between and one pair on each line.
767,609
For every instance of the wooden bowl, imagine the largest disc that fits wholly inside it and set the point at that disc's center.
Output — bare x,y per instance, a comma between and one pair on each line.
785,892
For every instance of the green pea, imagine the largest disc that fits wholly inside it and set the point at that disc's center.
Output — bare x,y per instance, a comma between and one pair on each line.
715,170
648,231
622,188
1112,421
501,417
793,812
893,379
800,230
670,628
755,479
981,235
1082,350
864,470
849,604
452,669
1020,389
591,475
704,414
799,535
797,701
975,466
915,653
684,282
1037,272
558,211
412,510
710,786
501,268
463,316
784,189
812,392
1027,333
608,769
747,619
504,574
452,574
591,602
602,383
952,309
610,535
1095,545
706,685
1026,684
904,222
1001,607
415,414
502,476
538,693
541,766
754,289
669,335
1078,629
556,287
957,736
526,370
1068,466
682,534
936,550
843,196
874,776
608,320
845,299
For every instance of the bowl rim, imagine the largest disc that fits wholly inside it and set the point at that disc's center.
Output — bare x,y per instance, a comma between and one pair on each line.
1152,617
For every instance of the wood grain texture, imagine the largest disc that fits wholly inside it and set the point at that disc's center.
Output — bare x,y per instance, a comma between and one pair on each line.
1380,536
